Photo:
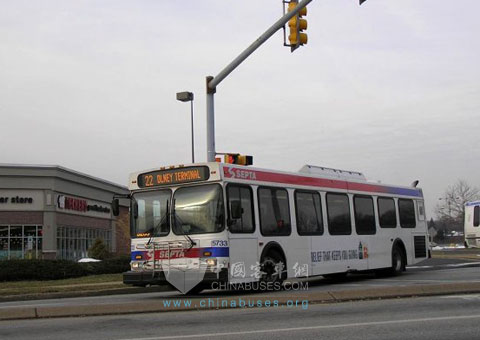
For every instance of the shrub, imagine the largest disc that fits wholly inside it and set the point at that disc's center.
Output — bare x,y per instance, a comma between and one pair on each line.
17,270
98,250
108,266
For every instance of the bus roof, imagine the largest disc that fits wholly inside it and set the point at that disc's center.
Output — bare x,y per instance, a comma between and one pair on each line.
352,181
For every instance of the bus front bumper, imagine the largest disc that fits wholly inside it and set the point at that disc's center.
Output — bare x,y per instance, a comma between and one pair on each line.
145,278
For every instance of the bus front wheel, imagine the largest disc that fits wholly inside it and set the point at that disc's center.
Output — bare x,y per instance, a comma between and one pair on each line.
272,268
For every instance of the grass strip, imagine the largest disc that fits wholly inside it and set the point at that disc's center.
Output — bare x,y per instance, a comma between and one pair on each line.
91,282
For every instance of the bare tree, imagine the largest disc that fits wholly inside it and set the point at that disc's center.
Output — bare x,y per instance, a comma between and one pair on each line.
452,205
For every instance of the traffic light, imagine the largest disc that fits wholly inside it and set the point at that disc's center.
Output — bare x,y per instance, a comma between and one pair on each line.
235,158
297,25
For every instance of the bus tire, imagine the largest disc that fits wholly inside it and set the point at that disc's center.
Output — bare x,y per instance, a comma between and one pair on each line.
273,268
398,261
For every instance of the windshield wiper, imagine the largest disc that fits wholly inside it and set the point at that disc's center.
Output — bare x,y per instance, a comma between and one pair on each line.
175,218
159,225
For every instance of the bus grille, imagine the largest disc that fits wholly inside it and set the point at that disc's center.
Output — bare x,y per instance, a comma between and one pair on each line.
420,246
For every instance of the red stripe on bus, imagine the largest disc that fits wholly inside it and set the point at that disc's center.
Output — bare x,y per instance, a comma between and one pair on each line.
265,176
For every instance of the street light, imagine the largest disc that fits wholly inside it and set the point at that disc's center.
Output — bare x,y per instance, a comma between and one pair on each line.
188,97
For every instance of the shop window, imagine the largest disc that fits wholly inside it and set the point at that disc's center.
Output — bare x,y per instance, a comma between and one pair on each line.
76,241
3,248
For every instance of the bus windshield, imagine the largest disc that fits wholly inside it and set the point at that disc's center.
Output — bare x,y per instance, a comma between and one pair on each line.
150,217
198,210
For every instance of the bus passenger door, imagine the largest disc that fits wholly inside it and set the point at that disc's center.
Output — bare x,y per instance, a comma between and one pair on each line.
243,243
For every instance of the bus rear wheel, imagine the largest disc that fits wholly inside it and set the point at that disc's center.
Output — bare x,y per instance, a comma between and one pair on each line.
398,262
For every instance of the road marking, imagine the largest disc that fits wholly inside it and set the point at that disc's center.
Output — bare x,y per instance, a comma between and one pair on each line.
470,297
462,264
295,329
426,280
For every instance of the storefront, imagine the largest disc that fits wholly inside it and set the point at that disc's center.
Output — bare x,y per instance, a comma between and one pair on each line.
54,212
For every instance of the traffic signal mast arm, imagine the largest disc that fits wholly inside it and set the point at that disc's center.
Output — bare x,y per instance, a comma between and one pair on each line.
213,82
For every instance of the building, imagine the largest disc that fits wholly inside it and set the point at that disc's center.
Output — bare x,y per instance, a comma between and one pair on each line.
53,212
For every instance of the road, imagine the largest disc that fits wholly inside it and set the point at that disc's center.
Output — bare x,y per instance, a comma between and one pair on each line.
445,317
430,272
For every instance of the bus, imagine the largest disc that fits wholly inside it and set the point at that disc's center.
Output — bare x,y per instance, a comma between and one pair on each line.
195,226
472,224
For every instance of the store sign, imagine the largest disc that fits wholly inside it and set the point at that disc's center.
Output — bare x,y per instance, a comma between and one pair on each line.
70,203
21,200
16,200
80,205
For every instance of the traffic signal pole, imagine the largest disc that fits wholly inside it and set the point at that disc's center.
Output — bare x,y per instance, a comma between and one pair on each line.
212,82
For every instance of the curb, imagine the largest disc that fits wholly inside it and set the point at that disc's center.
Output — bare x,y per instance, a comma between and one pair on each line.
17,313
85,293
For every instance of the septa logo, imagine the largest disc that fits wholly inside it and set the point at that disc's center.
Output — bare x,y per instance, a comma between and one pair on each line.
240,174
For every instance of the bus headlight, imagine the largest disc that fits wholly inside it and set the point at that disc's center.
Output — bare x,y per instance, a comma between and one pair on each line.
137,265
211,262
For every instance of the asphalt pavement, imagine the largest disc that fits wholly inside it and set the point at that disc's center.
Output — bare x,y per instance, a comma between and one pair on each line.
440,318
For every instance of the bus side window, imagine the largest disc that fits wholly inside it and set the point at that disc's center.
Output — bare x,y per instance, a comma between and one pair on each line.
274,212
338,209
476,216
406,210
240,208
308,209
364,215
386,212
421,211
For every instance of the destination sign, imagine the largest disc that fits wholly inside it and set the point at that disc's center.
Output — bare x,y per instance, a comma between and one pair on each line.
173,176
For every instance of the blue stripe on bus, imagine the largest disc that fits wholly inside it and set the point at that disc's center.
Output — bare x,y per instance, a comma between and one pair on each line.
218,251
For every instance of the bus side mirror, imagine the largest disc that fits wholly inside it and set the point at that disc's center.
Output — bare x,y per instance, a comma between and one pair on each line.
236,210
116,207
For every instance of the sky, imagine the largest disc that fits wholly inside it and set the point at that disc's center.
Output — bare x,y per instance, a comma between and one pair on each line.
389,88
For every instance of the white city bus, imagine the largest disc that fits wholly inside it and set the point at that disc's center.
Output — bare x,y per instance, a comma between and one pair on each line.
215,222
472,224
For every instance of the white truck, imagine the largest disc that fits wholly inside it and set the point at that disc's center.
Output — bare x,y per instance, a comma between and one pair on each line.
472,224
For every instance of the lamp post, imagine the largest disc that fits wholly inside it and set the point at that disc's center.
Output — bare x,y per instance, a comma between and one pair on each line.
188,97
